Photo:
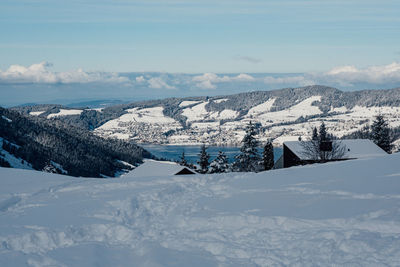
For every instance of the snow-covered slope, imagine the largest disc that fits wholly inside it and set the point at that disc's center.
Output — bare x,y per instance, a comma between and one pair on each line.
342,213
62,112
196,113
11,159
204,126
188,103
283,114
36,113
304,108
222,121
53,146
261,108
139,124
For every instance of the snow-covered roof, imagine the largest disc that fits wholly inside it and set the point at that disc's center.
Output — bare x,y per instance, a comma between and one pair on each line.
355,148
157,168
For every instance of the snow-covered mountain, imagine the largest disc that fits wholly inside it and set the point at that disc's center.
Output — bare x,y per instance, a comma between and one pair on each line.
340,213
282,115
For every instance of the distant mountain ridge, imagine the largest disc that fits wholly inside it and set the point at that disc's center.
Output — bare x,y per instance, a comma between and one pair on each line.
280,114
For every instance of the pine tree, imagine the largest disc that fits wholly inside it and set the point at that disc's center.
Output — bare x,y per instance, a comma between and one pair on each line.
268,156
323,136
248,159
203,159
183,161
219,164
380,133
315,134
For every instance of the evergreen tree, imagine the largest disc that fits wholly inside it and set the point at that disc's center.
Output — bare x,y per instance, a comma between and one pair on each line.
380,133
203,159
183,161
315,134
268,156
322,146
248,159
219,164
323,136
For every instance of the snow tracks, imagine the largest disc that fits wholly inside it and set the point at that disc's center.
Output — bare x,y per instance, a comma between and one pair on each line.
344,213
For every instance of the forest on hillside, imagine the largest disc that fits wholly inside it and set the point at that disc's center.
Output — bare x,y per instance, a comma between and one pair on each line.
42,142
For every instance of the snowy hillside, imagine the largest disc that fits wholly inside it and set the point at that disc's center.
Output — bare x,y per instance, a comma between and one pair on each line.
282,115
11,159
215,121
30,142
342,213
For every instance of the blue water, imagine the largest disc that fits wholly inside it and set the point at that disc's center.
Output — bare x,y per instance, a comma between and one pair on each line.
172,152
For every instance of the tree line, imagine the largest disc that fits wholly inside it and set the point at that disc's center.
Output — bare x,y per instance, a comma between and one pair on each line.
248,159
321,146
324,147
379,132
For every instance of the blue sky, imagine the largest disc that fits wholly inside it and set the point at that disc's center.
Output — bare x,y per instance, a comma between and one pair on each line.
199,36
99,38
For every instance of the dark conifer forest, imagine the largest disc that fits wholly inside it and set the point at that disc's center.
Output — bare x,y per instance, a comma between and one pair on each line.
80,153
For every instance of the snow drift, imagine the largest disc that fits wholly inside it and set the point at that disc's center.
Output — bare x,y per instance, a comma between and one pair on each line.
343,213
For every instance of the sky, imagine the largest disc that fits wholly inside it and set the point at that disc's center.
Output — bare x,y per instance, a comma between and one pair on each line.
83,45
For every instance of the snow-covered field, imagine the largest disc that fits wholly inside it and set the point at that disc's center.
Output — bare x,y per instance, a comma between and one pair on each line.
188,103
143,124
304,108
65,112
343,213
197,112
36,113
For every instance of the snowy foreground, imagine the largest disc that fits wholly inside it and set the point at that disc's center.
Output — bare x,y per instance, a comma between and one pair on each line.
345,213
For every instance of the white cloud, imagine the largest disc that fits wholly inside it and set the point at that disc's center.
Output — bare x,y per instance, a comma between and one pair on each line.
36,73
243,77
298,80
344,76
207,80
80,76
158,83
206,85
140,79
211,77
341,77
342,69
41,73
375,74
